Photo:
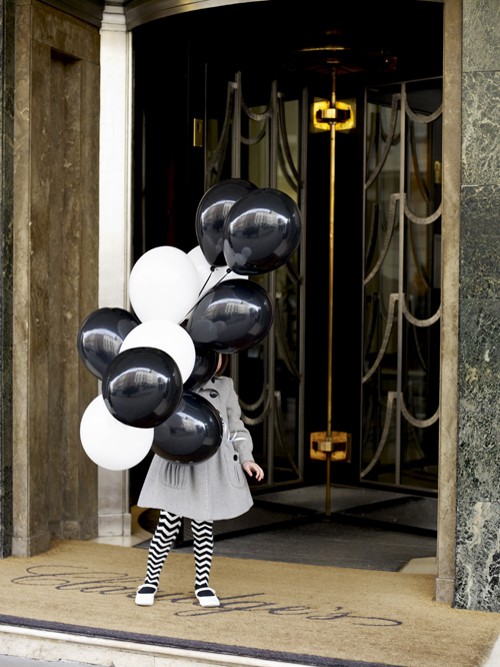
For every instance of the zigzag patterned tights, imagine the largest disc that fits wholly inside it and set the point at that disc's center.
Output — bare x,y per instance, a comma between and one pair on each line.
166,531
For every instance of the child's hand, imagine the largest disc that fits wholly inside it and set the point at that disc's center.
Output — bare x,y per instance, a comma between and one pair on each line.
250,467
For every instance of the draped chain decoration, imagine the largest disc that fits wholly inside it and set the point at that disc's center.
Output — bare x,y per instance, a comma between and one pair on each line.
262,130
214,166
400,224
389,141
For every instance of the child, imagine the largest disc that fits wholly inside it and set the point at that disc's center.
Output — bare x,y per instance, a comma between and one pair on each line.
207,491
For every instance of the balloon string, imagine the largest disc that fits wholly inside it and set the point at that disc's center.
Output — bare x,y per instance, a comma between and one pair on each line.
212,269
228,271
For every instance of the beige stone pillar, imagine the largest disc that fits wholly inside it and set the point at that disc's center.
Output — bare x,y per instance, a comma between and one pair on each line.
450,287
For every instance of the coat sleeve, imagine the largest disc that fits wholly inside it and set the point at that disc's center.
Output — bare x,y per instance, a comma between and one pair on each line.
238,432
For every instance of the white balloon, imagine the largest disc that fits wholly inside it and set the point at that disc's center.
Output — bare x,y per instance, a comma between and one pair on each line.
110,443
208,276
166,336
163,285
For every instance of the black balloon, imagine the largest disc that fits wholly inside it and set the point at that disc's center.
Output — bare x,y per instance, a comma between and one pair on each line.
192,434
142,387
261,231
211,214
233,316
205,365
101,336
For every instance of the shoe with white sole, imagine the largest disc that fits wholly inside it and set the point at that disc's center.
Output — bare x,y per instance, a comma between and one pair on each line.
145,595
206,597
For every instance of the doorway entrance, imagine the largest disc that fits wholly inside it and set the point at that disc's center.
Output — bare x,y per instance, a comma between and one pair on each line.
230,92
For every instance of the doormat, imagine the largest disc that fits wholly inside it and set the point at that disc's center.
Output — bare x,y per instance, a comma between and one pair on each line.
309,615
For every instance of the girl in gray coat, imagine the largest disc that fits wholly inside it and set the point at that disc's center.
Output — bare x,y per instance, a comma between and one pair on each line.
210,490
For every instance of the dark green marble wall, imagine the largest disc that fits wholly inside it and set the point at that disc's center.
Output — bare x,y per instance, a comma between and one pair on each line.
477,583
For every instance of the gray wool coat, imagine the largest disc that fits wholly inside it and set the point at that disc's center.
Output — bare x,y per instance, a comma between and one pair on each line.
209,490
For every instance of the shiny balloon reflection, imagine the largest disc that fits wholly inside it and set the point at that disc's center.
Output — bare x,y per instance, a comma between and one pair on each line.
233,316
101,336
142,387
261,231
192,434
211,213
205,366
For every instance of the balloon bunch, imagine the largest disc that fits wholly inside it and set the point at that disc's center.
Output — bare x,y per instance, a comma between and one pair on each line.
187,308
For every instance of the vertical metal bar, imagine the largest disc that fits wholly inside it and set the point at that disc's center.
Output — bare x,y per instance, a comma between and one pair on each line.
333,130
401,267
363,286
331,247
235,173
328,484
302,202
205,131
271,288
236,130
273,147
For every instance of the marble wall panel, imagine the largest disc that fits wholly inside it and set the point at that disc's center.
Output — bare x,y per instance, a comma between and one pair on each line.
479,403
72,36
480,242
477,581
478,458
481,45
480,128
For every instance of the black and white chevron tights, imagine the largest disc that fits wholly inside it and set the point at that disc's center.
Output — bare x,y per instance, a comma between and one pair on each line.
164,537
